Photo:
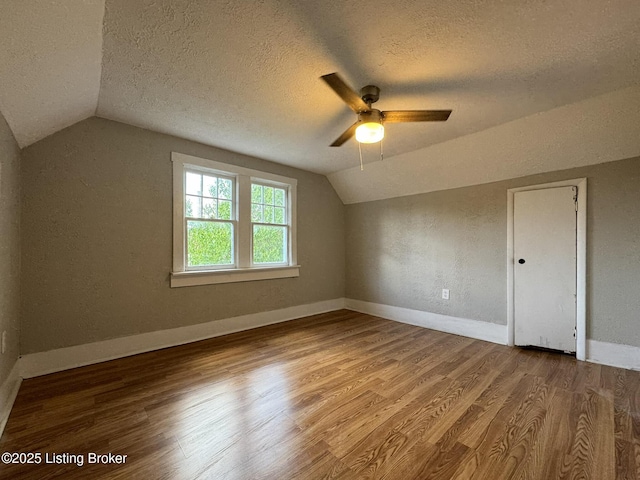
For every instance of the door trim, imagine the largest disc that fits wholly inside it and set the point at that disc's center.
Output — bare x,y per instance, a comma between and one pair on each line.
581,261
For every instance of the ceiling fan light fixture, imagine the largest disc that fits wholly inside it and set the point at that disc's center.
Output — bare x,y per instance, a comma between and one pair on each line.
368,128
370,132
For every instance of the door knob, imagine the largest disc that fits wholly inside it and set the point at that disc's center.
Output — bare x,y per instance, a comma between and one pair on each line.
521,261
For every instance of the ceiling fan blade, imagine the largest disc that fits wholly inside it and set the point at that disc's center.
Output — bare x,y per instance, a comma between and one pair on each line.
345,92
346,135
399,116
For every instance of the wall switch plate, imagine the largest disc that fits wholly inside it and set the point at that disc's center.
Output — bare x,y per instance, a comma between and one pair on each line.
445,293
4,341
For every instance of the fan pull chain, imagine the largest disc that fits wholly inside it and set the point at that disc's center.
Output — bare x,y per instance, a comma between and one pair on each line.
360,150
381,152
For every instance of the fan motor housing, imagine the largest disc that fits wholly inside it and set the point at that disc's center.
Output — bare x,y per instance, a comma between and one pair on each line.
374,116
370,94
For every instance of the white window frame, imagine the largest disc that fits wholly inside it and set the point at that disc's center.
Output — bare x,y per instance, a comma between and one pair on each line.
233,220
266,183
243,270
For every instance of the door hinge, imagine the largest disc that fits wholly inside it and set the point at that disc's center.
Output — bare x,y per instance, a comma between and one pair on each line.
575,197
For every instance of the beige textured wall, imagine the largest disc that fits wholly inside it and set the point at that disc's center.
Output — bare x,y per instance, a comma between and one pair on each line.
9,246
404,251
97,239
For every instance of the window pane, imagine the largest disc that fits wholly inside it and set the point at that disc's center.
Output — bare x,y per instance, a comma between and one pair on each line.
279,197
209,208
256,213
224,210
256,193
224,188
268,195
209,243
269,244
268,214
209,186
194,183
193,206
278,215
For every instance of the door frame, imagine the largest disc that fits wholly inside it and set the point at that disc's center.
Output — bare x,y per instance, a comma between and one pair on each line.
581,261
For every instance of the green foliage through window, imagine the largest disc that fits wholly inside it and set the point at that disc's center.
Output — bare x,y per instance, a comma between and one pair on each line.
209,208
268,206
269,244
209,243
208,197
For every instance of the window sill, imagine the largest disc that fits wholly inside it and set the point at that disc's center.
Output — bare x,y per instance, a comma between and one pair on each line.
188,279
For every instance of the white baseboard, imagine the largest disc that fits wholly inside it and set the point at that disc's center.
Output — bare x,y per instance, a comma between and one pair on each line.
613,354
8,394
42,363
486,331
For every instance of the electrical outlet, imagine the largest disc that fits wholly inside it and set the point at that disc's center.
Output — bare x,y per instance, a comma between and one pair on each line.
445,293
4,341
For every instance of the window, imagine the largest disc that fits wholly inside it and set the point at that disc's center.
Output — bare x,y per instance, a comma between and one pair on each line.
269,224
209,216
231,224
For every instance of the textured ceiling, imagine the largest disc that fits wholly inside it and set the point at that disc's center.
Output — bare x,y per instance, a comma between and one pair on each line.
50,57
244,75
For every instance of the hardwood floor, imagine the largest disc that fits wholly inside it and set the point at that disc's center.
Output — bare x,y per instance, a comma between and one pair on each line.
339,395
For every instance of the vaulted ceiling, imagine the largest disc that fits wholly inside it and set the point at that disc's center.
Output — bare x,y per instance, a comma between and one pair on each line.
244,75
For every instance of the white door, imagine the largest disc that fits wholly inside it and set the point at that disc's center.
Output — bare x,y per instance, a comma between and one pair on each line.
544,231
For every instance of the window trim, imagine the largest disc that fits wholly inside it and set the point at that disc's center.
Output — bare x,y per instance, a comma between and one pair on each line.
244,270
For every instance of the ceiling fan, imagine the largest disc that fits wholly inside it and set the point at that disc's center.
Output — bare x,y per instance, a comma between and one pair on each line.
369,127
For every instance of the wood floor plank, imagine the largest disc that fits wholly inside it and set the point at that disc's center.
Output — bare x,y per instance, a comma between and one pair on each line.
469,393
544,459
442,464
505,454
341,395
470,427
361,436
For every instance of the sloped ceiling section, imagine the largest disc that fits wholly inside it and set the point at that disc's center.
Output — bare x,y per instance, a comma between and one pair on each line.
600,129
50,60
244,75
